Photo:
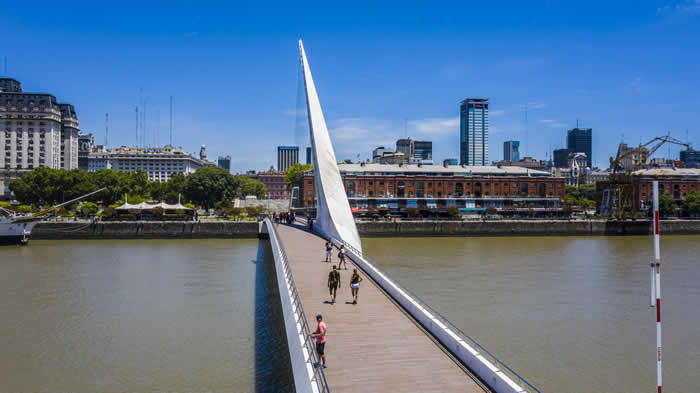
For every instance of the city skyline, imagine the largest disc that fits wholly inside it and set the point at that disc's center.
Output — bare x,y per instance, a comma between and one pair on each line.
239,77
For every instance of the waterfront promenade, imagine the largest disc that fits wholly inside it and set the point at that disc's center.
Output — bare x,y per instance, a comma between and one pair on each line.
372,346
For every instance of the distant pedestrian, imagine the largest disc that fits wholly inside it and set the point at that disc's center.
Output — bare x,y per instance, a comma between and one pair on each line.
320,335
333,283
341,256
329,250
355,285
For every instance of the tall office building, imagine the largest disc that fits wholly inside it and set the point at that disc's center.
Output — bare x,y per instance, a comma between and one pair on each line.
474,132
579,140
511,151
38,132
561,157
405,147
309,160
286,157
422,151
691,158
225,162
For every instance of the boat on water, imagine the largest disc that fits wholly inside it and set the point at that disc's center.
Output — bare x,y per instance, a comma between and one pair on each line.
17,228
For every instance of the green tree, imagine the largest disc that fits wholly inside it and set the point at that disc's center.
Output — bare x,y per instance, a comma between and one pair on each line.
248,186
692,204
295,174
88,209
209,185
666,205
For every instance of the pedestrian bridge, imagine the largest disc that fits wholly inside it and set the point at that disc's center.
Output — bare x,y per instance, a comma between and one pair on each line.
391,340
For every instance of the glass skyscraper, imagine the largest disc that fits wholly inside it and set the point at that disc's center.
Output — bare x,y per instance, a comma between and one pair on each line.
474,132
579,140
511,151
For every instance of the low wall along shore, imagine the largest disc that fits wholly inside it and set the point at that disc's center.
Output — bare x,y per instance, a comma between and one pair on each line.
524,228
145,230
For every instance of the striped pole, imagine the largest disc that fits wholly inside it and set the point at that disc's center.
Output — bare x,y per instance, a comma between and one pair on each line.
657,260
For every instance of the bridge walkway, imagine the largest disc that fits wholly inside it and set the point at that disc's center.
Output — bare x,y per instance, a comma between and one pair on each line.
372,346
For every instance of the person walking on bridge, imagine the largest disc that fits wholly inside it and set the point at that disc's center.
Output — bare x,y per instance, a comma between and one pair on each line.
341,255
355,285
320,335
333,283
329,250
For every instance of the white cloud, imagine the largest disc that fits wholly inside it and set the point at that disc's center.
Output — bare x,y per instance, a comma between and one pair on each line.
353,136
686,7
435,126
496,112
547,121
553,123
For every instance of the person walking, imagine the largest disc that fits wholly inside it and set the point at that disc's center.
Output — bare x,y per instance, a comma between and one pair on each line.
355,285
333,283
329,250
320,335
341,255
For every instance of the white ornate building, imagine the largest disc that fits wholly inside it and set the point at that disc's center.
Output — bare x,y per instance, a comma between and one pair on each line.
37,131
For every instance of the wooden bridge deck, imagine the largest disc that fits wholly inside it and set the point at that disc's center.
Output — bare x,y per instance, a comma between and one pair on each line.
372,346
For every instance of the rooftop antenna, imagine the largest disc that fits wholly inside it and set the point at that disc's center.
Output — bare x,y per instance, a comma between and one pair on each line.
576,122
136,109
527,142
171,120
106,129
405,127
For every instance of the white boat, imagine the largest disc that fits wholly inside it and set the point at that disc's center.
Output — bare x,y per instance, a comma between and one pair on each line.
16,228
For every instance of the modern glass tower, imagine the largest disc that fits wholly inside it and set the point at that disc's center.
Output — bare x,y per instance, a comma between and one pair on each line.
578,140
511,151
474,132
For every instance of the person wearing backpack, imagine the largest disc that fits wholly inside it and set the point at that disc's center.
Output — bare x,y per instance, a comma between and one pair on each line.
333,283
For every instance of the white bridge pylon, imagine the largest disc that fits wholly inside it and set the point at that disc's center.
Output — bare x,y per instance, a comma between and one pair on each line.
333,215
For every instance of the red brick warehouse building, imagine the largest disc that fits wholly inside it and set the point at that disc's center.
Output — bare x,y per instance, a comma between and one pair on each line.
373,188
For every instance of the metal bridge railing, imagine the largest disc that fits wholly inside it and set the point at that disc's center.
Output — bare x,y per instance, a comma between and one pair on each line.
318,377
524,384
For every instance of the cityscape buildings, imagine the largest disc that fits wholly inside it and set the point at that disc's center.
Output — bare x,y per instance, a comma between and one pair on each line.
309,160
511,151
579,140
474,131
224,162
422,152
379,152
450,161
286,157
203,153
634,160
275,186
86,143
159,162
38,132
393,188
691,158
561,158
412,151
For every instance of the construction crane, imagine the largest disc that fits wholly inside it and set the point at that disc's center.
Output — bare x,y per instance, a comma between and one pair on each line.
620,186
616,163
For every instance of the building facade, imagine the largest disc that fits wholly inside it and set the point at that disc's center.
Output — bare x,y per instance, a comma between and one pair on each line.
636,157
372,187
474,132
224,162
38,132
159,162
286,157
275,186
422,151
561,158
309,160
86,144
450,161
580,140
511,151
527,162
691,158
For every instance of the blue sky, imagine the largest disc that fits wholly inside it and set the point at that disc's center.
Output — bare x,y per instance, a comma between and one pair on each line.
383,70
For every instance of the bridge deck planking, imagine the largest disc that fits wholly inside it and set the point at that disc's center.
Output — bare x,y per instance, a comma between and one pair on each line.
372,346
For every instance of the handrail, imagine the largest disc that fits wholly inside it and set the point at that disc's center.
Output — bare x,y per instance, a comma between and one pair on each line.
445,320
318,375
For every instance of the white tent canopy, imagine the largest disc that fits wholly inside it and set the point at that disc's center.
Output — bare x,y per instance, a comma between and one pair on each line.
148,206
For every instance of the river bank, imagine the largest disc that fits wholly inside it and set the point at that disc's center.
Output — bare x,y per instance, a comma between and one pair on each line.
145,230
524,228
248,229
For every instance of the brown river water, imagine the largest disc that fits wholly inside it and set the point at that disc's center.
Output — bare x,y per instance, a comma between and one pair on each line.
569,314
